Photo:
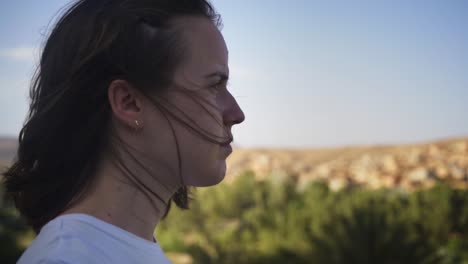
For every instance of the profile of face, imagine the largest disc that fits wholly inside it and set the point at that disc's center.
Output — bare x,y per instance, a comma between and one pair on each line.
199,96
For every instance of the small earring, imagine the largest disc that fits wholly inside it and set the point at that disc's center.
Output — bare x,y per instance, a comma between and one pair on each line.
137,124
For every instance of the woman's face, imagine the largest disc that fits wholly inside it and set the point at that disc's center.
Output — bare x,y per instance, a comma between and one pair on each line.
200,97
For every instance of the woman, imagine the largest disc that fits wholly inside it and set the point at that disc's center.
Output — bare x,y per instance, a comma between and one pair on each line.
129,107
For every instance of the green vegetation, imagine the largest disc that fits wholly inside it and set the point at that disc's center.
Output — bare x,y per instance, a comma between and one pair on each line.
14,234
274,221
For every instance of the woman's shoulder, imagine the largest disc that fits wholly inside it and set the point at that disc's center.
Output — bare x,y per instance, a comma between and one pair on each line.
78,238
58,242
62,249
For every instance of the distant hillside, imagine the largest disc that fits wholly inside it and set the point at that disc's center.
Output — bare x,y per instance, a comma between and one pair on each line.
7,150
401,166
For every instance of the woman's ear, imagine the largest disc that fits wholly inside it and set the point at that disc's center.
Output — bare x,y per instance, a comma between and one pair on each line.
126,103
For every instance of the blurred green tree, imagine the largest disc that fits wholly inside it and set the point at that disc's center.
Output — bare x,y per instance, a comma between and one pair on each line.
15,235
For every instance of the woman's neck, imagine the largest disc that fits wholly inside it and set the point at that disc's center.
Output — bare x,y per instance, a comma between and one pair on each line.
116,199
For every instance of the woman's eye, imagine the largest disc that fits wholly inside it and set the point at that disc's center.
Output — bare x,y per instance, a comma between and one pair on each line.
219,86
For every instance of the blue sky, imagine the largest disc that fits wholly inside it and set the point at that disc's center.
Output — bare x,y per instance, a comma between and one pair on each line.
307,73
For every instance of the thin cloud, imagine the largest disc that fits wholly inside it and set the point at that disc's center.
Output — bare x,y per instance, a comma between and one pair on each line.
22,53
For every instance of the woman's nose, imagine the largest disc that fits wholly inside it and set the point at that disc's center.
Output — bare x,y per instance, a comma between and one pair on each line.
233,114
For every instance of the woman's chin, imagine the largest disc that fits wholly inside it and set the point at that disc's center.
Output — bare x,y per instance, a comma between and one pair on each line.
212,177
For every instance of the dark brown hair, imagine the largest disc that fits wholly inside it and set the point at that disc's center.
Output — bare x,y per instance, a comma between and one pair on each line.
66,132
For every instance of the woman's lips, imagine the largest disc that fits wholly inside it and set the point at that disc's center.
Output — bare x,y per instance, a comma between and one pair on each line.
227,147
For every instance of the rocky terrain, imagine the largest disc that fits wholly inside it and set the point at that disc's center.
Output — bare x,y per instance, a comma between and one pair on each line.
407,166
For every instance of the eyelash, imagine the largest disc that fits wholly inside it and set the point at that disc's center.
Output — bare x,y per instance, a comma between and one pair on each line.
217,85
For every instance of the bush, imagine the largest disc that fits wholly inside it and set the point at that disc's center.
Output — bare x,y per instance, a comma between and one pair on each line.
273,221
14,234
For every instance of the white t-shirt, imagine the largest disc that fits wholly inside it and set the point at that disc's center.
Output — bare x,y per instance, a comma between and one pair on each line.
80,238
